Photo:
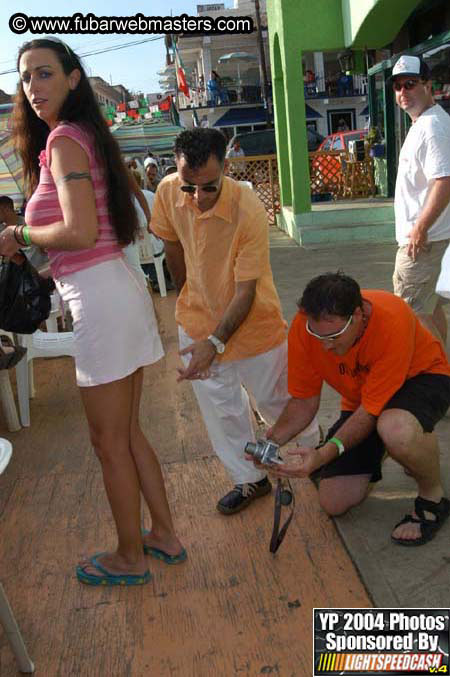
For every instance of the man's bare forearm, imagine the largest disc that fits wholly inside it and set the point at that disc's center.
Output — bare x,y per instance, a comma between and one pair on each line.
355,430
237,310
175,262
295,417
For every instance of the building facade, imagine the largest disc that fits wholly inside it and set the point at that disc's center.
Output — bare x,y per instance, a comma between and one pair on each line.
239,106
107,95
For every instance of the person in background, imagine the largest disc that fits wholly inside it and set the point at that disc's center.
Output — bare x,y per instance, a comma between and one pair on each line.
343,126
8,217
134,170
81,212
422,194
237,168
156,244
151,174
218,93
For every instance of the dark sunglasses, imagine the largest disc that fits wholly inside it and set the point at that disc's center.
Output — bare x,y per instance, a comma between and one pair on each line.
407,84
205,189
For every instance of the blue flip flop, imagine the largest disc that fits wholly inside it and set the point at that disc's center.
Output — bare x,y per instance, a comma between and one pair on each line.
108,578
162,555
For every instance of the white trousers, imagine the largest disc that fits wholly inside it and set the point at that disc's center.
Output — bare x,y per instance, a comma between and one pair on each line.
226,410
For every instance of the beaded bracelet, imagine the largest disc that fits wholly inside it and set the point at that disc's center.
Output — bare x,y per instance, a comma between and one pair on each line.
19,237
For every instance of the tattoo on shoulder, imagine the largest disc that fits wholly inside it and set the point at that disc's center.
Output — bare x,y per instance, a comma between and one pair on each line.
74,176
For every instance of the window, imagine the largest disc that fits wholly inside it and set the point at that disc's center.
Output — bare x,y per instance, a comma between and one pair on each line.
337,144
351,137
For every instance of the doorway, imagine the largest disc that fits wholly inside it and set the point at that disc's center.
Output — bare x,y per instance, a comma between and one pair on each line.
342,120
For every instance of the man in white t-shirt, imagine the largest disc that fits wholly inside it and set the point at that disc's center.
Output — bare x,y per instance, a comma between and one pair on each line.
422,194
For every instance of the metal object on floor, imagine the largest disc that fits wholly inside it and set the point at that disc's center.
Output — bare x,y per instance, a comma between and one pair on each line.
7,619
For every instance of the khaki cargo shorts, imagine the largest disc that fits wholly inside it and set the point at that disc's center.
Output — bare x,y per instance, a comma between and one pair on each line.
415,281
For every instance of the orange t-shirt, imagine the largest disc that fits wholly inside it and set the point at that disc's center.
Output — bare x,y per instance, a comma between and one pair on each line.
394,347
224,245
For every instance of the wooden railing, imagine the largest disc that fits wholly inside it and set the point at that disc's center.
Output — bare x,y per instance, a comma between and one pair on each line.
330,173
262,172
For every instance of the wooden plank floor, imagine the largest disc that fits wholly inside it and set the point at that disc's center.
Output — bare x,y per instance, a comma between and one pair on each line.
232,609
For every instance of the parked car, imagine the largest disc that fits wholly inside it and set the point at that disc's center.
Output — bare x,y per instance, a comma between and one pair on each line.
325,171
262,142
339,140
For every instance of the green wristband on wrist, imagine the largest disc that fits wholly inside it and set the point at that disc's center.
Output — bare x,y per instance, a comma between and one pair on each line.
26,235
338,443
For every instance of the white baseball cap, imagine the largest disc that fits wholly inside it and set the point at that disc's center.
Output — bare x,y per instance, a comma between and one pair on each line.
411,65
150,161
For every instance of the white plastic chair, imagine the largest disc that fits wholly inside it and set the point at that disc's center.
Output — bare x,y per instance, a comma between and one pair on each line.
7,397
7,619
57,310
39,344
7,400
146,255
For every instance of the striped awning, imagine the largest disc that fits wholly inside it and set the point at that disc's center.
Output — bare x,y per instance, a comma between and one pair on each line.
11,174
157,137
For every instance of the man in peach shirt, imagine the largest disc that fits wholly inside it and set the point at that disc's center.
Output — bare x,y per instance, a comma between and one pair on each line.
231,330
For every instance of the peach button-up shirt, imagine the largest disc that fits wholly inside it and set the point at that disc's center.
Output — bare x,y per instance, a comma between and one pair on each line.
224,245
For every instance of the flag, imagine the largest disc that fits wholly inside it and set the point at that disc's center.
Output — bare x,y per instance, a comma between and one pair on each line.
181,73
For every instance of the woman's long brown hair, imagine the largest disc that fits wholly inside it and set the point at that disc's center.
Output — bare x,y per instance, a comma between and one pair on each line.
30,135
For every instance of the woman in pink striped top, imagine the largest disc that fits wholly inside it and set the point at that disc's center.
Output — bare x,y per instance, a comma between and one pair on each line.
81,212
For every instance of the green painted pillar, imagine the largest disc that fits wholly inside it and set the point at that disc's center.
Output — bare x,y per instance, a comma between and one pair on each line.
296,132
279,87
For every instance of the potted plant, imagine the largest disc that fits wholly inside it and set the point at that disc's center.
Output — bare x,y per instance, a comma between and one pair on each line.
375,149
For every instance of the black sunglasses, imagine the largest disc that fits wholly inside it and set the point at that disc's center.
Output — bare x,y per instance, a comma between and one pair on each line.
192,189
407,84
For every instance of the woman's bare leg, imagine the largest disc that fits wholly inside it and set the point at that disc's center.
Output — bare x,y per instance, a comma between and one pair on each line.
108,410
151,480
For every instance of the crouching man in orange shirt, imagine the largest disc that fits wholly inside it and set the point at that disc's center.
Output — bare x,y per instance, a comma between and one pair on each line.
394,379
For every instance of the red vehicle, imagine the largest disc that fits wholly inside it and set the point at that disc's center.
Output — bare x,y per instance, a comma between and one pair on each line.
339,140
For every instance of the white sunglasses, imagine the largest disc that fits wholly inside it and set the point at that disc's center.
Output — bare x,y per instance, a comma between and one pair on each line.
329,337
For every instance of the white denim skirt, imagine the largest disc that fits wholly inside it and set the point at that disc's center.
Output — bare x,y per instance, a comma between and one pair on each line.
114,323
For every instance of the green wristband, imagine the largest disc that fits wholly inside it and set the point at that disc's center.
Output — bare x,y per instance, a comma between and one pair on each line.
26,235
338,443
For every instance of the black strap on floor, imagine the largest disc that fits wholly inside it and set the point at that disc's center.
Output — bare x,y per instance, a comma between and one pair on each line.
283,496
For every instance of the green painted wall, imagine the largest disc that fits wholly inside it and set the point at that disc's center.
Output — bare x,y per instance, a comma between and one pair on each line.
374,23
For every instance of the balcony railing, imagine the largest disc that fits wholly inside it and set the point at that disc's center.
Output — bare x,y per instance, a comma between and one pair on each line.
332,87
232,94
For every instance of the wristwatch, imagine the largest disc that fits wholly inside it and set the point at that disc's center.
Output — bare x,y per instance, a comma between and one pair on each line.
217,343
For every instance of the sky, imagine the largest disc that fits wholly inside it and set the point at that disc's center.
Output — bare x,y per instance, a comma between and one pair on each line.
135,67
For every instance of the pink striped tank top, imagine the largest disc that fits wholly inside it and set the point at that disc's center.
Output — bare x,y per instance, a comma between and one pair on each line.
43,208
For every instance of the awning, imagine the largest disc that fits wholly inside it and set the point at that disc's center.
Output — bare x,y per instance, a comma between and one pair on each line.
11,174
253,116
242,116
158,137
312,114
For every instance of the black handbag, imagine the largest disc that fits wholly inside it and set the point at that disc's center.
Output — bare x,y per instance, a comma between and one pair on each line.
24,296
